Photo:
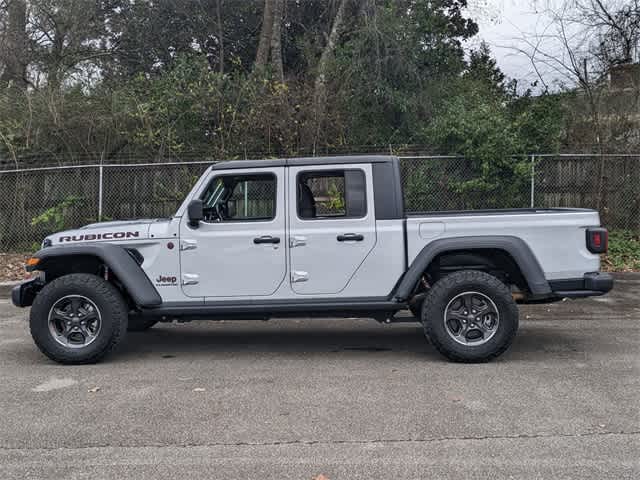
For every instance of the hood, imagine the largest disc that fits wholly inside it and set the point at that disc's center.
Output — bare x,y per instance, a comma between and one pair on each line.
120,223
117,232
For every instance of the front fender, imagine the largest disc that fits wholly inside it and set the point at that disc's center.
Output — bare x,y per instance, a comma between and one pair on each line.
119,261
514,246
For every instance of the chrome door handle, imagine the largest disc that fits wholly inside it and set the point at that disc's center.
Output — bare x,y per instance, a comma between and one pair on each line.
190,279
188,245
350,237
299,276
297,241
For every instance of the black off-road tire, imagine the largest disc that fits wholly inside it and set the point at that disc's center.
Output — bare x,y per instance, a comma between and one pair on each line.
113,310
448,288
140,324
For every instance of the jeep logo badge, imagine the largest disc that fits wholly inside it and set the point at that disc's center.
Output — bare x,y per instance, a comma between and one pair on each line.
163,280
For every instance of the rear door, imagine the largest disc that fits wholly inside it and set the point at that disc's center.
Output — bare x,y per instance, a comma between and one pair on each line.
332,225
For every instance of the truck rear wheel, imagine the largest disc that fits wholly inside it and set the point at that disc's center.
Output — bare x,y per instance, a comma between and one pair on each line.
470,316
78,319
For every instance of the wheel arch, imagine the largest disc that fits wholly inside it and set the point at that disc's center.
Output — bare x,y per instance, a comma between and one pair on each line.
88,258
513,250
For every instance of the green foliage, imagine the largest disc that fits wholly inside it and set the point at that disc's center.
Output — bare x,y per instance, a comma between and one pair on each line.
483,121
69,125
56,217
482,130
157,81
540,121
624,251
483,69
386,77
191,108
336,198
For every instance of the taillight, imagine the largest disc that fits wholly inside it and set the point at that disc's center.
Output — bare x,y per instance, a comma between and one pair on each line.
597,240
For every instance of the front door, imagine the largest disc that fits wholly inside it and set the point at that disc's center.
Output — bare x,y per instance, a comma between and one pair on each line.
332,226
239,249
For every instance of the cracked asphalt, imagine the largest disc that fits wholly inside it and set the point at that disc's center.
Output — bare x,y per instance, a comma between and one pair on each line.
349,399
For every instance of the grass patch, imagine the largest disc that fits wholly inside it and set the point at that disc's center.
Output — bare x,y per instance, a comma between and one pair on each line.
624,252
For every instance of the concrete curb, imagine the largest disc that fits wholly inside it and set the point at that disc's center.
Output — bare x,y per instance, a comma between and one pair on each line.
626,276
5,287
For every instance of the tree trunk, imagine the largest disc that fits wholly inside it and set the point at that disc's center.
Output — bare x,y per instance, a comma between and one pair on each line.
320,87
220,35
15,56
276,41
262,55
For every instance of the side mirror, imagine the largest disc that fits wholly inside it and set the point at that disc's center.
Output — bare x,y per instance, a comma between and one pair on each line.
195,213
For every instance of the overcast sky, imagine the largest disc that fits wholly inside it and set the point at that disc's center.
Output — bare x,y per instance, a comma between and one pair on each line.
502,23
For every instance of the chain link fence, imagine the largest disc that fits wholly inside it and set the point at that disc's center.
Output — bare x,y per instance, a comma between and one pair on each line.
609,183
36,202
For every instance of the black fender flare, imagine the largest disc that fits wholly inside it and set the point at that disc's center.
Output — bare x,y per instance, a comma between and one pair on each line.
119,261
514,246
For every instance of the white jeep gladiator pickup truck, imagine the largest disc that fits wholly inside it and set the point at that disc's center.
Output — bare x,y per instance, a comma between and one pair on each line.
310,237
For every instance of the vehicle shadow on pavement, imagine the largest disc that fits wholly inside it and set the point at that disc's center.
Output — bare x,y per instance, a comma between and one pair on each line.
238,338
242,337
361,338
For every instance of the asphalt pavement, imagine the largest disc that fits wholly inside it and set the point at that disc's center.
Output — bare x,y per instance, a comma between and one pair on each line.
348,399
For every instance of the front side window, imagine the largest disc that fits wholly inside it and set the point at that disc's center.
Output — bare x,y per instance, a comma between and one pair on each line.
240,198
331,194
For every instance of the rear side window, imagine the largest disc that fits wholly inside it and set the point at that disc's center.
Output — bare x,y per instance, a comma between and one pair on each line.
330,194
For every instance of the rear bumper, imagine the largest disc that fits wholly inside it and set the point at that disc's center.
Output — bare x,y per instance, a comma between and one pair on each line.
590,285
22,295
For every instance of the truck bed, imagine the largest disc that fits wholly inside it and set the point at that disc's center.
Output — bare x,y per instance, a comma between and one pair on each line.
556,236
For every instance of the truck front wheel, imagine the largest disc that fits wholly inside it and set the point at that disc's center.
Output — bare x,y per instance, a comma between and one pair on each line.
470,316
78,319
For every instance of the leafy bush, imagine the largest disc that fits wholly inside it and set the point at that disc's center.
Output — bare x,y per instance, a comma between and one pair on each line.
494,132
56,218
624,251
481,130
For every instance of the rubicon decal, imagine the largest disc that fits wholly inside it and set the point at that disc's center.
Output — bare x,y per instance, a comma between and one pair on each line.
163,280
87,237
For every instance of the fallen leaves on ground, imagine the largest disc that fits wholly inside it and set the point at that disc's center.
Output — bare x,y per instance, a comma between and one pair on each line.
12,267
608,265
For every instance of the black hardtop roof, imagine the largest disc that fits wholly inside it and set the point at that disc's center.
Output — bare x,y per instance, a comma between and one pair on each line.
303,161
